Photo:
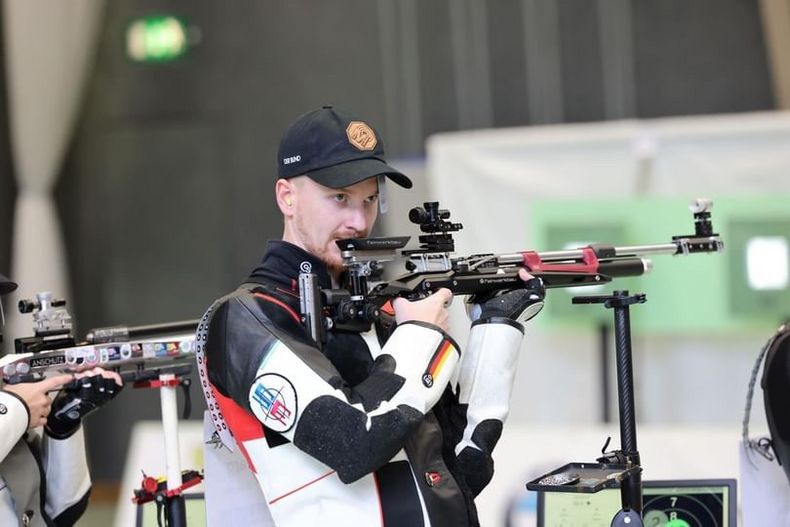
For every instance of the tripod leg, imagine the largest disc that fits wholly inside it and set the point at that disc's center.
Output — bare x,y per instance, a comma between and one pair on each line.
176,513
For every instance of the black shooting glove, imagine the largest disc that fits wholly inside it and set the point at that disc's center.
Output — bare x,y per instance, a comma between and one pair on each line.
77,399
519,304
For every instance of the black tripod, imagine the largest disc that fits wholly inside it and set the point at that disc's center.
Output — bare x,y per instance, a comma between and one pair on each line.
620,466
631,484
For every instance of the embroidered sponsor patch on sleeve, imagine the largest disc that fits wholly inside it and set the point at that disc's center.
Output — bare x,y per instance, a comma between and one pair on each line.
273,401
437,362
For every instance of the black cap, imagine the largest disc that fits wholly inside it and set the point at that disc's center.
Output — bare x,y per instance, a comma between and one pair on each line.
6,285
334,150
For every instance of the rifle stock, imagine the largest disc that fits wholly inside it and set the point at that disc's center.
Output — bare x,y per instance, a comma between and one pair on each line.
134,352
129,359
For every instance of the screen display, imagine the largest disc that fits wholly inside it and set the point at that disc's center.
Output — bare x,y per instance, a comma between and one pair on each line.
693,503
686,507
565,509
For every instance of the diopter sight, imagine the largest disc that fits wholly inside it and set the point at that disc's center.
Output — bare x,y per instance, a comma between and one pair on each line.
52,324
431,219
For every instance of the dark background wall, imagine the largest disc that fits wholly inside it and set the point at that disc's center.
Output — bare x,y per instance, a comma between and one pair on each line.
7,188
165,195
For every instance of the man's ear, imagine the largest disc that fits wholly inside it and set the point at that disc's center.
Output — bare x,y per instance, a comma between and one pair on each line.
286,196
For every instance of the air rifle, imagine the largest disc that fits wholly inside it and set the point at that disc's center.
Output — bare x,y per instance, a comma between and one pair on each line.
431,266
157,356
138,353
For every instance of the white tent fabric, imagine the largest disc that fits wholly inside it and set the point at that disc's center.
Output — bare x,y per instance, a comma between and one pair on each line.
489,172
489,178
49,48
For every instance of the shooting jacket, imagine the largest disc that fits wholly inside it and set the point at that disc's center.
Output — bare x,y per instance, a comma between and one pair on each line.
43,481
392,427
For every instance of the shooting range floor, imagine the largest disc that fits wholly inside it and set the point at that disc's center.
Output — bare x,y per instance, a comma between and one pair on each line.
99,514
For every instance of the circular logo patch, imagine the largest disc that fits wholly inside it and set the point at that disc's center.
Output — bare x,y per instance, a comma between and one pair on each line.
361,135
273,401
3,409
306,267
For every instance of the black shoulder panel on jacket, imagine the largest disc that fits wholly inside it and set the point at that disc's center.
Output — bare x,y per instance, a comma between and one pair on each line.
336,434
243,329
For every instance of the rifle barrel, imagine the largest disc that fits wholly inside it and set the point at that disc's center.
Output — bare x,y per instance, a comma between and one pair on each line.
126,333
632,250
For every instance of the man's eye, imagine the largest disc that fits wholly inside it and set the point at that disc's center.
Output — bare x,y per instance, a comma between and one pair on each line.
372,199
339,197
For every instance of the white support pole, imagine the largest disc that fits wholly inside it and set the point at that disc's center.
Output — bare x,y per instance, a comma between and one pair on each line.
170,429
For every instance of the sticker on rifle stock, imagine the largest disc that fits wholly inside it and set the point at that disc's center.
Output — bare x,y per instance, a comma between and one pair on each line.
273,401
71,356
91,357
148,350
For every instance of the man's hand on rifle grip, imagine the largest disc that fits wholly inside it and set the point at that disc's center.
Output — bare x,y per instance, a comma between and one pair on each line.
89,391
431,310
36,398
518,304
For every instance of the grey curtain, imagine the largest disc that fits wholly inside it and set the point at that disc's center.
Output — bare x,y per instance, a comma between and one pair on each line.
49,47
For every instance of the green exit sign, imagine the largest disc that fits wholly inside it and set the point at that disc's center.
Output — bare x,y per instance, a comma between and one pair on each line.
157,38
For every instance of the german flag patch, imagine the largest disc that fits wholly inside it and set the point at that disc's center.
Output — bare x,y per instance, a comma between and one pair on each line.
437,362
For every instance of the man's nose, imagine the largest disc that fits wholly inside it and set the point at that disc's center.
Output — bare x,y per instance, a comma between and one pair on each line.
356,219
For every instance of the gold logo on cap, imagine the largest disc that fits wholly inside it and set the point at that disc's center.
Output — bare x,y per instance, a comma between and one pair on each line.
361,135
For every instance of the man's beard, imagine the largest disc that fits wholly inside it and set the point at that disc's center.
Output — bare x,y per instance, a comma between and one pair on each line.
331,256
334,263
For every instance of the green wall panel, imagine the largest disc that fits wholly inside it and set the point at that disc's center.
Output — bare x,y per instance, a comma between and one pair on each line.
702,293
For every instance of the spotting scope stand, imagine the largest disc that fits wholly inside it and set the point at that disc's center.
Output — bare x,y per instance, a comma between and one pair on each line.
619,467
167,492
